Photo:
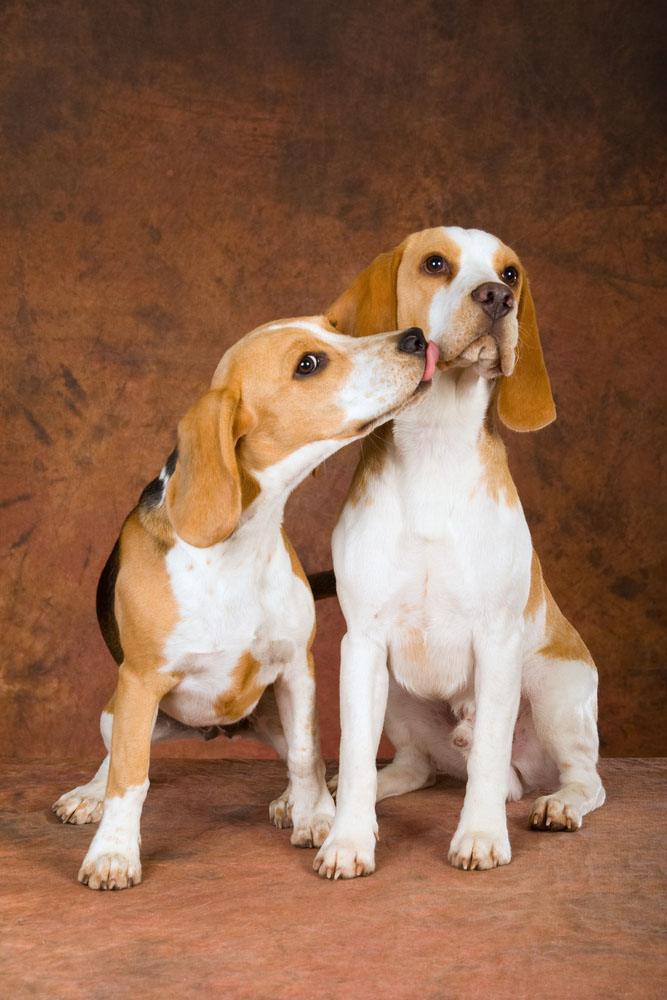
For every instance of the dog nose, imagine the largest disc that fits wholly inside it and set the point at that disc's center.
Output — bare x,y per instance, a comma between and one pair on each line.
412,341
495,299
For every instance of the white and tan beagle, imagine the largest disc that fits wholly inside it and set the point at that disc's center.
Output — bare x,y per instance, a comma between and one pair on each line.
453,638
203,602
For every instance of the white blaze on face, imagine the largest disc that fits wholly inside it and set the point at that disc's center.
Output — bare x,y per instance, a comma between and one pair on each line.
382,378
477,251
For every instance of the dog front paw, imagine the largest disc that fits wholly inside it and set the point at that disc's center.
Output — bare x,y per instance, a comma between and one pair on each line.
111,871
313,831
551,813
79,806
346,857
476,850
280,811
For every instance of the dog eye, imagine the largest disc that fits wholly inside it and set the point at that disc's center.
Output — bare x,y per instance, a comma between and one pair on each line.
436,264
308,364
510,275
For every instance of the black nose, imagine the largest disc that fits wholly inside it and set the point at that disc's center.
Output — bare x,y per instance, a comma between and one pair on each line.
412,341
495,299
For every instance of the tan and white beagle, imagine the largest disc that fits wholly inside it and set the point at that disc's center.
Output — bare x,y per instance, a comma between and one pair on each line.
453,638
203,602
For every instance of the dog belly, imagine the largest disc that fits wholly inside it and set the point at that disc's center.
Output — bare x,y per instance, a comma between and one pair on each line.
428,668
196,703
218,688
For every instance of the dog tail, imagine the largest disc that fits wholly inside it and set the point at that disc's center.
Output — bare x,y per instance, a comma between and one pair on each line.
323,584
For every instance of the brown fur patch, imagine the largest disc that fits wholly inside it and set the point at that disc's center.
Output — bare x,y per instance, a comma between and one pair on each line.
204,494
369,304
523,400
136,700
371,462
536,592
283,412
496,475
563,640
413,646
250,488
415,287
157,523
145,607
298,571
244,691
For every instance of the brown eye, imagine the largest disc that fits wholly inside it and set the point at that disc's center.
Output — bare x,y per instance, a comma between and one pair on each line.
436,264
309,364
510,275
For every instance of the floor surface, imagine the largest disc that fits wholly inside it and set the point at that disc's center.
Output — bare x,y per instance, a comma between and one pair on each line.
229,908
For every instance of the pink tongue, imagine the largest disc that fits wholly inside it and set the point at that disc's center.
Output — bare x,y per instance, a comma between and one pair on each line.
432,355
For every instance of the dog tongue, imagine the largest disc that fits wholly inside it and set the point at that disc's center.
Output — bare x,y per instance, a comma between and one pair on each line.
432,355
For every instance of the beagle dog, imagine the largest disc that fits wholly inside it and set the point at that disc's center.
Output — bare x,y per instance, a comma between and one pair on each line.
453,638
203,602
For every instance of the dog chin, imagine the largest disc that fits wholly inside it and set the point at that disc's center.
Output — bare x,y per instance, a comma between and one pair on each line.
484,356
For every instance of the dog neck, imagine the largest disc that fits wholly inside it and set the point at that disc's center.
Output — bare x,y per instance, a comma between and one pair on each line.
265,512
448,422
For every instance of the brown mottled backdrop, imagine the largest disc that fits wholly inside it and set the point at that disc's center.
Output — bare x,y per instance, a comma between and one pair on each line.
176,172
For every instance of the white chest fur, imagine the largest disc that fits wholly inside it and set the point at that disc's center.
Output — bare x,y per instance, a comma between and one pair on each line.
442,558
236,599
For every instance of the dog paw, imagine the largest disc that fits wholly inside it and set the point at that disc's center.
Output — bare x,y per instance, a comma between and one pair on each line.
280,812
473,850
551,813
110,871
345,858
79,806
312,832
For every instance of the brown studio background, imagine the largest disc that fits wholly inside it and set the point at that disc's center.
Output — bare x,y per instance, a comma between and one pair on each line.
174,174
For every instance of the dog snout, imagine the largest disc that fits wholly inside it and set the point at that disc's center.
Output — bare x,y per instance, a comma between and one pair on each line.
412,341
495,299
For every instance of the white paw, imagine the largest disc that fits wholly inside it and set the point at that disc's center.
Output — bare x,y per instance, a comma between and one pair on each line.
551,813
280,811
342,857
81,805
313,831
111,871
476,850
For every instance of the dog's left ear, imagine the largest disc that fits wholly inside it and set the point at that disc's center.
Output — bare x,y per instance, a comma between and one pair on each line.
369,304
204,493
524,399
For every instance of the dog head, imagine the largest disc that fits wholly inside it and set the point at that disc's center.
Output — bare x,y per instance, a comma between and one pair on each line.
470,294
281,400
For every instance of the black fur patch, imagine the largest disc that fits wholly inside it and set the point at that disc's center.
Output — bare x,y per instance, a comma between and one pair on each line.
106,592
153,494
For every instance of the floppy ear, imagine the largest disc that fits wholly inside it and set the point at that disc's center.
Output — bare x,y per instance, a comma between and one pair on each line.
524,399
369,304
204,493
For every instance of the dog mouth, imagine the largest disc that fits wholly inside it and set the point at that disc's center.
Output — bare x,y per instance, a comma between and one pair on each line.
488,354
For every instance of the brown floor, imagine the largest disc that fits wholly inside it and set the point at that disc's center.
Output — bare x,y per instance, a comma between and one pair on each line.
229,908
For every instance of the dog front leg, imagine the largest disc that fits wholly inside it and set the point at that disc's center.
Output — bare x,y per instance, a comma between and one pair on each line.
481,840
307,802
349,850
112,861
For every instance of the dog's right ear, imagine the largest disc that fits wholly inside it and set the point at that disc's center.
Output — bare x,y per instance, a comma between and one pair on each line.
369,304
204,493
524,400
